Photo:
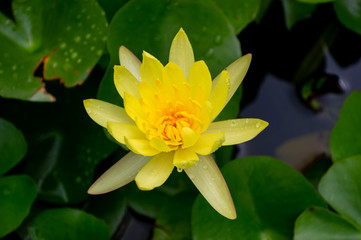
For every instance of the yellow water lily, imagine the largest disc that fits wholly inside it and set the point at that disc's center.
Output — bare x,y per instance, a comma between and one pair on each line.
167,122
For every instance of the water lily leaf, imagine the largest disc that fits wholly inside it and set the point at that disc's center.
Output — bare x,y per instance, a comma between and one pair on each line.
151,26
268,196
345,139
316,1
67,36
341,188
349,13
67,223
322,224
295,11
239,13
12,146
17,194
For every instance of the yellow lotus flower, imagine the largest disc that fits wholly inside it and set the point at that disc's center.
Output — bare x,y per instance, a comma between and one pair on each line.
167,119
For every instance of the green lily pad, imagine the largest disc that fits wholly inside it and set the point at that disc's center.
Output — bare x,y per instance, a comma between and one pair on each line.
67,36
12,146
316,1
322,224
349,13
268,195
17,194
345,139
67,223
239,13
341,188
296,11
151,26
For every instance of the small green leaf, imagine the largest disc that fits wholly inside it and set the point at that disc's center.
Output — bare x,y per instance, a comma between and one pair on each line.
345,139
322,224
12,146
349,13
268,196
67,223
295,11
341,188
17,194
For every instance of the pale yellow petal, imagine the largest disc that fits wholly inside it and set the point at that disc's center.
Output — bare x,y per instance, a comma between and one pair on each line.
155,172
140,146
102,112
120,174
238,130
237,71
206,176
208,143
219,94
160,145
150,69
189,136
184,158
133,107
130,61
124,81
181,52
200,81
121,130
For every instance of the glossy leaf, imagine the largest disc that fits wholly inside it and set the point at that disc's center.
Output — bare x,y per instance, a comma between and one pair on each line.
17,194
345,139
341,188
239,13
12,146
349,13
322,224
268,196
67,223
296,11
66,36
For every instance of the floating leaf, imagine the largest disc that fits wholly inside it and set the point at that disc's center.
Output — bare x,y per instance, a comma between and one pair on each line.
295,11
268,196
349,13
12,146
67,36
17,194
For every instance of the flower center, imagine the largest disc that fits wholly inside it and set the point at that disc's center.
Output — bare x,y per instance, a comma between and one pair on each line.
170,127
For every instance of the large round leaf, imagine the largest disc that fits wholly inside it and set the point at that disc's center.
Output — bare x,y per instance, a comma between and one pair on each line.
268,196
17,194
151,25
349,13
295,11
345,139
67,223
341,188
12,146
321,224
67,36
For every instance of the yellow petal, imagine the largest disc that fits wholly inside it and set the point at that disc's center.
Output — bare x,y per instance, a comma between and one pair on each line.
174,77
102,112
140,146
184,158
208,143
206,176
125,82
219,94
160,145
121,173
130,61
181,52
133,107
150,69
121,130
237,70
155,172
200,81
189,136
238,130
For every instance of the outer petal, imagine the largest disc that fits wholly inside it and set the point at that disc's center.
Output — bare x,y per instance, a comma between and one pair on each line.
200,81
140,146
119,174
237,70
208,143
238,130
102,112
151,69
155,172
181,52
133,107
185,158
125,82
121,130
219,94
130,61
209,180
